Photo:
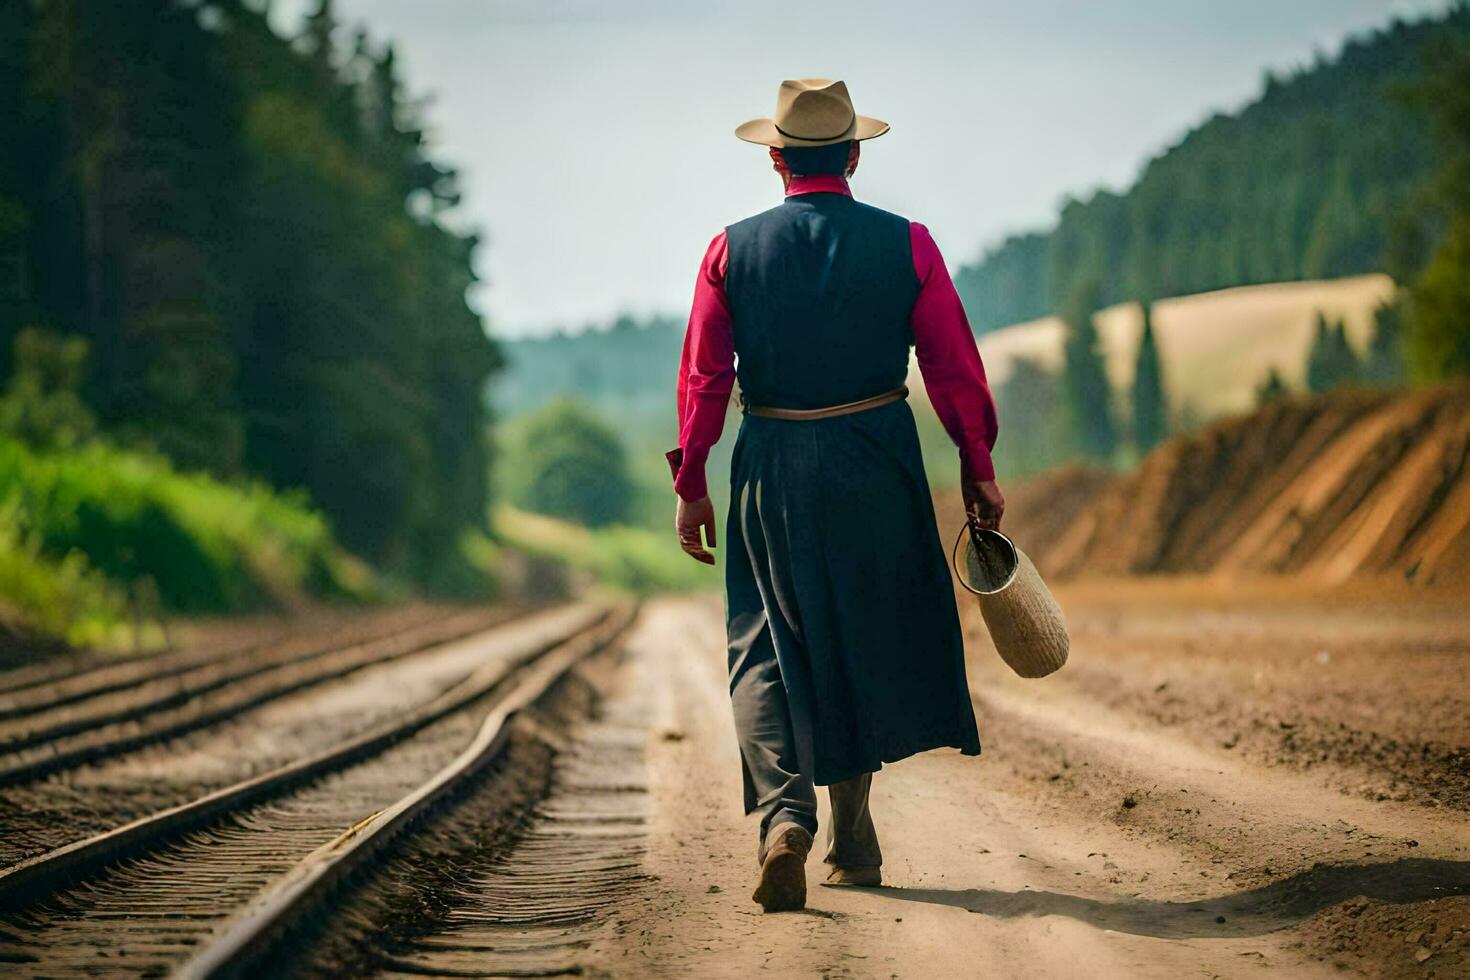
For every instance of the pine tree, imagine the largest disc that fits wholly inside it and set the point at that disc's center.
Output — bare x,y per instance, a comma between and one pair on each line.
1029,399
1085,381
1272,389
1150,410
1384,364
1332,362
317,29
1347,367
1320,359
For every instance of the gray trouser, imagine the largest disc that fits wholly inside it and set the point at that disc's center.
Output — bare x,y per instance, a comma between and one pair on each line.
776,782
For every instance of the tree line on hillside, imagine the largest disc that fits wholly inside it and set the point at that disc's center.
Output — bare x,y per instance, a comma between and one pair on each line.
247,233
1422,334
629,362
1052,417
1305,183
1333,362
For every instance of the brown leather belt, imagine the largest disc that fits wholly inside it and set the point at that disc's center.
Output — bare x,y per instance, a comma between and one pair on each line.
831,411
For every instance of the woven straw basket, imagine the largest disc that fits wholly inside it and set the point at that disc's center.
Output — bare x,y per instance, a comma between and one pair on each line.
1025,622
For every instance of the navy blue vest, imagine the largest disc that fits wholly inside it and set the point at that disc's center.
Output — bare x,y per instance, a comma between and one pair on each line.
821,289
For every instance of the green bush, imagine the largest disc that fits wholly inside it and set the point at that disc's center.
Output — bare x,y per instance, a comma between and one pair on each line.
206,546
566,462
469,571
63,598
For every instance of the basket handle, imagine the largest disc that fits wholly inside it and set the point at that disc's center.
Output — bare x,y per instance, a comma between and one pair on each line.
972,528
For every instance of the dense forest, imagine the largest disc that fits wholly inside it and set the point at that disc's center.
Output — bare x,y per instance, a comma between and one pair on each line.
248,232
1304,183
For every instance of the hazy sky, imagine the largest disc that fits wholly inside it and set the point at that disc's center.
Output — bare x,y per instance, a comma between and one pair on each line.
594,136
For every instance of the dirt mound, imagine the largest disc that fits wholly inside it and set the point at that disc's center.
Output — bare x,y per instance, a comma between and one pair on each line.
1367,486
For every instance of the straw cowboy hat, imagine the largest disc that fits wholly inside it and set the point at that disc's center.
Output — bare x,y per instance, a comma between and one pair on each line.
811,112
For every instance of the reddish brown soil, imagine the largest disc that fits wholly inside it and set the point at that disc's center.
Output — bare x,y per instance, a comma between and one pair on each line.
1360,489
1107,830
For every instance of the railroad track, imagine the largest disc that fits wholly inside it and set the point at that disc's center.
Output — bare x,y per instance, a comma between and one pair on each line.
220,881
106,711
50,684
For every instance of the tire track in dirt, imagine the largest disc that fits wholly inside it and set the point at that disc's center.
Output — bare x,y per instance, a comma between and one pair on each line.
1264,849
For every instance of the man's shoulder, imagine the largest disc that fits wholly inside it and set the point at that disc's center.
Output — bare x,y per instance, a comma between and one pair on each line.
758,218
878,214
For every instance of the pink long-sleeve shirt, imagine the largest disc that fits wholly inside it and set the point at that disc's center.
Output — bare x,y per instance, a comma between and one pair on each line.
954,376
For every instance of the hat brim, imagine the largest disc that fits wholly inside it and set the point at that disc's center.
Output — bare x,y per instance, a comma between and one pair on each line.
764,132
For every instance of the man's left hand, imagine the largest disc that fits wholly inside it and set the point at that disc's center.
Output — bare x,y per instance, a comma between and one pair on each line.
690,518
985,503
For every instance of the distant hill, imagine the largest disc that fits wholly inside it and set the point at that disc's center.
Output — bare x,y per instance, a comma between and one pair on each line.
630,365
1302,184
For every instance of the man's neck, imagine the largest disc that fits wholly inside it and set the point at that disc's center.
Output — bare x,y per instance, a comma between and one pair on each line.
817,184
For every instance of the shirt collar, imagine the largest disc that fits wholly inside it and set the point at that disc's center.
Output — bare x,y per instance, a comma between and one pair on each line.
818,184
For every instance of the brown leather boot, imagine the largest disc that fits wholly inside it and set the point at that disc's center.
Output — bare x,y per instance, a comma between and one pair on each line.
782,887
870,877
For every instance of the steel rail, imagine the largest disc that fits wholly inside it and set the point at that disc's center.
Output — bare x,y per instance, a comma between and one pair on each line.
27,881
179,716
101,676
241,944
172,688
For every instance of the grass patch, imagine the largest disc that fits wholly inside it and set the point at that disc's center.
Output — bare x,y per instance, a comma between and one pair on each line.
633,559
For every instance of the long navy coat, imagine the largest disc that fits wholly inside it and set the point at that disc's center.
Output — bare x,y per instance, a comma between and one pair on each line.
834,551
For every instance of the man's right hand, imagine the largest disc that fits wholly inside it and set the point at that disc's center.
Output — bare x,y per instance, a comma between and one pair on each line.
692,517
985,503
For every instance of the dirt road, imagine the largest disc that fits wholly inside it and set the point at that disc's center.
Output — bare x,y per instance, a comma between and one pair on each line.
1265,786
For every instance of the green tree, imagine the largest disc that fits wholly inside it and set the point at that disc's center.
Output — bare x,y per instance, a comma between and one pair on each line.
1438,299
1384,363
1085,388
574,466
1439,305
1347,365
1150,409
1319,358
1029,400
139,166
1272,389
1331,362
